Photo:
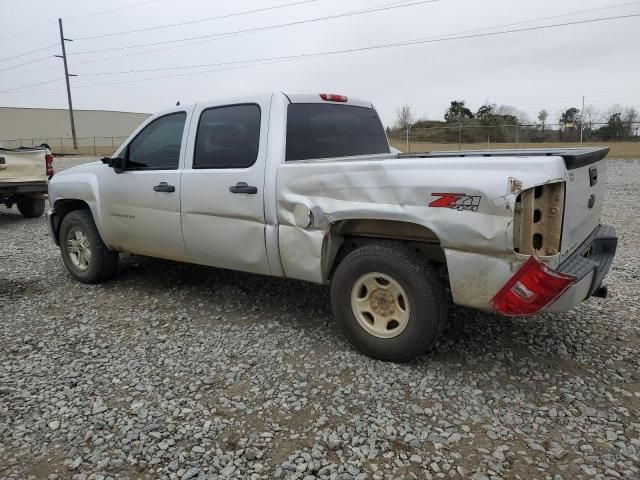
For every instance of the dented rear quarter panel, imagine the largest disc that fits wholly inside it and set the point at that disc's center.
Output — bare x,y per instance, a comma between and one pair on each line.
478,244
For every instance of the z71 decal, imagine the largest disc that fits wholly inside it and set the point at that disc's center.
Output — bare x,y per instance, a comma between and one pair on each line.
456,201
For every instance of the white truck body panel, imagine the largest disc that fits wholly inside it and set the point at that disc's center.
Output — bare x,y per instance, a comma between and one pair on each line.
580,220
266,232
24,178
394,189
220,228
20,166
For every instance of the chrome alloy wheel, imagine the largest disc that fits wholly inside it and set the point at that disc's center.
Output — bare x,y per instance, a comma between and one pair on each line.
380,305
79,248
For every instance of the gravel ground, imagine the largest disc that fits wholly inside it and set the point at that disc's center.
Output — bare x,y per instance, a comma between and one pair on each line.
179,371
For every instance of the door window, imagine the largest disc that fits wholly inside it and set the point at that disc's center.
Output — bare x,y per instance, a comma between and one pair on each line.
157,147
228,137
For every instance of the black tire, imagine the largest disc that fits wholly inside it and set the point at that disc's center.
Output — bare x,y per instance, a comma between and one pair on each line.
419,280
103,263
30,207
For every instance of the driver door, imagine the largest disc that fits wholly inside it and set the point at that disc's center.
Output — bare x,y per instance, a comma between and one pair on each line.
142,204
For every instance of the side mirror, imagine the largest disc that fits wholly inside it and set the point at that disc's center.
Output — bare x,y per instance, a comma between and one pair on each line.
118,163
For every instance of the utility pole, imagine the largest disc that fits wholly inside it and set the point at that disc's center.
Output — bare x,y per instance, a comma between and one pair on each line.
66,76
582,122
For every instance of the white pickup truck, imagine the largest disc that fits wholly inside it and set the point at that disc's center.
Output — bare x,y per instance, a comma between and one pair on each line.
305,187
24,173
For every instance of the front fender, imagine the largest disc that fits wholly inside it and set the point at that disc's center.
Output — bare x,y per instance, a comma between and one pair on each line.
71,186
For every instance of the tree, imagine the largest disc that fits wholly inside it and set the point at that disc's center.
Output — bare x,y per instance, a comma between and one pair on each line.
570,117
543,115
512,114
630,119
614,109
614,128
404,117
485,112
590,115
458,112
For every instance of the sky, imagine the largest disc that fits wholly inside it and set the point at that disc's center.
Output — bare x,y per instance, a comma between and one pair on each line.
532,70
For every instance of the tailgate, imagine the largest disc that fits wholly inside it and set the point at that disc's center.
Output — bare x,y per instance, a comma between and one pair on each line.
26,165
584,197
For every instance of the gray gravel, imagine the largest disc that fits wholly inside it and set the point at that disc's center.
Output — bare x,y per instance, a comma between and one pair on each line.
179,371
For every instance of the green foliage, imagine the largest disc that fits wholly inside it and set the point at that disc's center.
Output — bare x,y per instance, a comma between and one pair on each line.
543,116
614,129
506,124
457,112
572,115
485,112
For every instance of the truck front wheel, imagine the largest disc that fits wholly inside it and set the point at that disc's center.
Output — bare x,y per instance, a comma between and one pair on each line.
30,207
84,253
388,301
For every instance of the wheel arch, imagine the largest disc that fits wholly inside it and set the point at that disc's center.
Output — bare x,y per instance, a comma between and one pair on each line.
61,208
344,236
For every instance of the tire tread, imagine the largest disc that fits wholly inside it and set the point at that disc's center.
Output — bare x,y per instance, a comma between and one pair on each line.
419,270
104,262
30,207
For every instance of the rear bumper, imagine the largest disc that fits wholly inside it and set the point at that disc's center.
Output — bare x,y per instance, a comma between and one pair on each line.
32,188
590,263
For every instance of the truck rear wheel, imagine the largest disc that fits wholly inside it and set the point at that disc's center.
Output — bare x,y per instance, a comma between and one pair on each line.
84,253
30,207
388,301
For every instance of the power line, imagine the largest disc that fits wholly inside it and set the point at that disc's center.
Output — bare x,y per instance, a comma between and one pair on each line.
31,85
578,12
174,46
29,30
258,10
552,17
271,60
26,63
190,22
51,24
24,54
259,29
372,47
102,12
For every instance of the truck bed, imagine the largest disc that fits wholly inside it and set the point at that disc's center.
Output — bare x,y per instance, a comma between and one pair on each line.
23,166
573,157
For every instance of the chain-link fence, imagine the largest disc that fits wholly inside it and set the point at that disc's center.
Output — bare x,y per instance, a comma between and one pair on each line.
623,136
95,146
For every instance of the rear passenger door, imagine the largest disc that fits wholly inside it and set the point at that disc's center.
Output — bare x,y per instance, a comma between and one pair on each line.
223,187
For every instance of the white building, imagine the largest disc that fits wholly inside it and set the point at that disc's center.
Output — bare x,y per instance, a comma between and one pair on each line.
99,129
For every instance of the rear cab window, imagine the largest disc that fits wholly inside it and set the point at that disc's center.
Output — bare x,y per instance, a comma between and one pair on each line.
318,130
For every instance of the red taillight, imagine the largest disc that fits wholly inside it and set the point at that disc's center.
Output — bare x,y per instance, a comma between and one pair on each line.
332,97
533,288
48,158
